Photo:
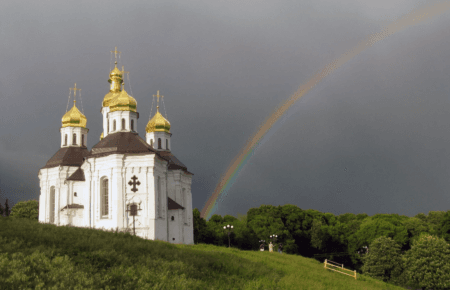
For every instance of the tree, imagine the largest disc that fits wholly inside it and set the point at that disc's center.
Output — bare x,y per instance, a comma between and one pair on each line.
7,210
201,233
383,261
427,264
316,234
444,229
2,210
434,219
26,209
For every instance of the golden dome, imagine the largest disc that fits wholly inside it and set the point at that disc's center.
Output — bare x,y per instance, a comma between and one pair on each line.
108,97
101,136
123,102
74,118
158,123
115,72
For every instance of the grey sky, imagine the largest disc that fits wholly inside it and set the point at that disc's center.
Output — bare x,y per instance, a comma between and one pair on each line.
372,137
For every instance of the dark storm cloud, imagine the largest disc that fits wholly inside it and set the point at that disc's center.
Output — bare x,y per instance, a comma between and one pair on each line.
372,137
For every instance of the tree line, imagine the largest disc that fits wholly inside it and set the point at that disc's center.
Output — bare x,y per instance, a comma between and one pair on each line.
389,247
407,251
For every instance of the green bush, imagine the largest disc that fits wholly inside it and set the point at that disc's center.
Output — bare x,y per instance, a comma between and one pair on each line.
383,261
26,209
427,264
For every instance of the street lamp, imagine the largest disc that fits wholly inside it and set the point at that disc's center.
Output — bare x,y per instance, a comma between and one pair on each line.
273,238
229,230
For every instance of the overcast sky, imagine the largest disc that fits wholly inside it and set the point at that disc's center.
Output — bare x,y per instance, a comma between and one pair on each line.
372,137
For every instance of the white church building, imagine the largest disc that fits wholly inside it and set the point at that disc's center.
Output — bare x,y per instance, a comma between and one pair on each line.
96,188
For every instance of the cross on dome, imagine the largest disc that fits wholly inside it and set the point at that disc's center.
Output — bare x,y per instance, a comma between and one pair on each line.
115,54
157,104
75,90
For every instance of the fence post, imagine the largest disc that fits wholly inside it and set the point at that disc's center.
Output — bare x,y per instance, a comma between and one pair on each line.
325,263
355,274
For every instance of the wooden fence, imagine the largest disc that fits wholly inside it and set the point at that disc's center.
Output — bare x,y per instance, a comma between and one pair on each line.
339,268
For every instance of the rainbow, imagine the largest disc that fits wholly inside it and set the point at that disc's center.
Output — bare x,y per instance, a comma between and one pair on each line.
414,17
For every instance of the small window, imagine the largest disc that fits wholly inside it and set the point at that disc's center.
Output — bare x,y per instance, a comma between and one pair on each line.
173,239
159,143
132,125
107,123
74,141
74,194
82,139
114,125
173,218
151,143
123,124
65,140
167,144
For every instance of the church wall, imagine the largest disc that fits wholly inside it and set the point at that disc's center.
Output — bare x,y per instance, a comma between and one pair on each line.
161,222
175,226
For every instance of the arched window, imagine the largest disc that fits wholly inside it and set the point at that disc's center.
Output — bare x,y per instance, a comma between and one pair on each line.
123,124
151,143
104,197
167,144
74,141
65,140
132,125
159,143
82,139
107,124
52,205
114,125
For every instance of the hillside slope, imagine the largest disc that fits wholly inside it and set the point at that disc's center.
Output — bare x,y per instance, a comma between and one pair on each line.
42,256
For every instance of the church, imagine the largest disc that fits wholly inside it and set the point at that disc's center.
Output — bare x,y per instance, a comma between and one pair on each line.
124,181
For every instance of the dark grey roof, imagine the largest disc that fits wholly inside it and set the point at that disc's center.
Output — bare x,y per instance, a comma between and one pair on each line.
174,163
68,156
171,204
121,142
73,206
78,175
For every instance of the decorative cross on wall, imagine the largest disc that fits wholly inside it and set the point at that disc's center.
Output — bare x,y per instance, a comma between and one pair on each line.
134,183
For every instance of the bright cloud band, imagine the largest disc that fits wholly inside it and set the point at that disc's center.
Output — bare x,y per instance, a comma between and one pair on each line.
410,19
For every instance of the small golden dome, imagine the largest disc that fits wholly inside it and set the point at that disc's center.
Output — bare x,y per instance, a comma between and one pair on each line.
101,136
74,118
123,102
115,72
158,123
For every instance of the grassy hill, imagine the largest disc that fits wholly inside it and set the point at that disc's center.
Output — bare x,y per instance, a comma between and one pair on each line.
42,256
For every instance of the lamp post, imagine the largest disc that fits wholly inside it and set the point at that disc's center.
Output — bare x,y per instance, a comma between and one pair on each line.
229,230
273,238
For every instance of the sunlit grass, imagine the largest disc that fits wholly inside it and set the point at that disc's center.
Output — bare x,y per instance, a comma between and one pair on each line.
42,256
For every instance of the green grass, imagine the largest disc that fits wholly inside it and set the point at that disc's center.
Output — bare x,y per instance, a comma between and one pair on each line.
43,256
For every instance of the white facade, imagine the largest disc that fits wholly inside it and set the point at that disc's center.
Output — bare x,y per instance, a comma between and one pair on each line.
159,140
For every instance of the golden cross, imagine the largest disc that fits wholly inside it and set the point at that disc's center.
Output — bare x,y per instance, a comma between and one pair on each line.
115,53
157,95
75,89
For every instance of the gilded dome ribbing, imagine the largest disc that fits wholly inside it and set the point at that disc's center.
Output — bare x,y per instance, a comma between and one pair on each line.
158,123
123,102
74,118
